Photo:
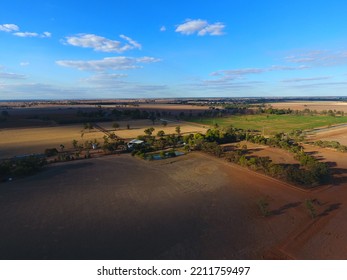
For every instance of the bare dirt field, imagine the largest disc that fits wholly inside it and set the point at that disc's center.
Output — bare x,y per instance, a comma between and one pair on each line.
119,207
35,140
312,105
326,238
277,155
338,134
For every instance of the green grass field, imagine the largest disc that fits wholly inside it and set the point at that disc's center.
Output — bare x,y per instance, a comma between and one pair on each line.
270,124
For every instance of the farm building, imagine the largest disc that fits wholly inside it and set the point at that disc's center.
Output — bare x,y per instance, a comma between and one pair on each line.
134,142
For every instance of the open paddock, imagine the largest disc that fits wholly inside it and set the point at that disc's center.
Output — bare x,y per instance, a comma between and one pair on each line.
271,124
276,155
120,207
338,134
14,142
137,127
21,141
312,105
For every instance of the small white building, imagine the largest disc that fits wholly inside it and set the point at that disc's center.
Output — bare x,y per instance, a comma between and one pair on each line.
134,142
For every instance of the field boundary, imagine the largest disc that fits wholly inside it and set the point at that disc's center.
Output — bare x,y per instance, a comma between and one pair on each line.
316,189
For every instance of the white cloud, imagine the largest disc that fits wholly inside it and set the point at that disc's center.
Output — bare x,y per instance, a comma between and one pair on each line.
102,44
163,28
201,27
14,29
107,63
132,42
26,34
215,29
9,27
24,63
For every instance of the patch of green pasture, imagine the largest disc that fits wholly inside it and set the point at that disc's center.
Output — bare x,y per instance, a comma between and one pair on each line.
270,124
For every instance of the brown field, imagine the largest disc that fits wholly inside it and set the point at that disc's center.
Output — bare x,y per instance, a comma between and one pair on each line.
277,155
35,140
61,108
338,134
138,126
190,207
329,232
197,207
312,105
119,207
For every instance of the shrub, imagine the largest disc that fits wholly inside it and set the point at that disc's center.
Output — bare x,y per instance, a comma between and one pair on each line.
51,152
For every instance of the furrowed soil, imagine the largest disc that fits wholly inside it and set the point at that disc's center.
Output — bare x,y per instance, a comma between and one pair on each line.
119,207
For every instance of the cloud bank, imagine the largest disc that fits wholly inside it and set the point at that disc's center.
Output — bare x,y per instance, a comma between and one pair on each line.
108,63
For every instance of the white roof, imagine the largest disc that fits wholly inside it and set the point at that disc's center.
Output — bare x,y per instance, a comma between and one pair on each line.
136,141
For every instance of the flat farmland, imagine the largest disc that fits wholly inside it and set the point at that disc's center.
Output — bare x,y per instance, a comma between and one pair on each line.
137,127
19,141
338,134
120,207
276,155
271,124
35,140
312,105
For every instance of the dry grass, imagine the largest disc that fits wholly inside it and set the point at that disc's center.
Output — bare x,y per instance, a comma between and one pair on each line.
35,140
137,128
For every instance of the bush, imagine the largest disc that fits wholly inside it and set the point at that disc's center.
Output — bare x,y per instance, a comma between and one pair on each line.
51,152
263,205
22,167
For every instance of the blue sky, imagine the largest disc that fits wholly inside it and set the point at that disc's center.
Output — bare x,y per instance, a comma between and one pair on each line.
151,48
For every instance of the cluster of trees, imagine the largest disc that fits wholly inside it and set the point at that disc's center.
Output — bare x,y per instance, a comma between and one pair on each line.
98,115
279,140
331,144
19,167
309,172
159,142
273,111
251,109
111,144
